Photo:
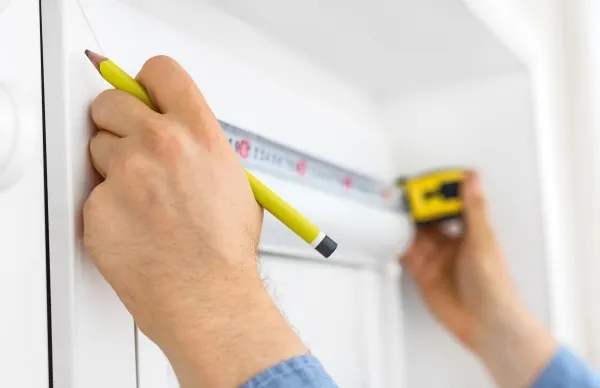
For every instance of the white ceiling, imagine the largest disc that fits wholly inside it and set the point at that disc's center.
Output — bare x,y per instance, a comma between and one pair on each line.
415,43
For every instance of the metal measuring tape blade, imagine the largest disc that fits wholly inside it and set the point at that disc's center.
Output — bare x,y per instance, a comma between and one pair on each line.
260,154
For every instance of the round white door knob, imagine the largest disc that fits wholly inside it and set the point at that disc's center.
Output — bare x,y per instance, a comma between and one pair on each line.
11,157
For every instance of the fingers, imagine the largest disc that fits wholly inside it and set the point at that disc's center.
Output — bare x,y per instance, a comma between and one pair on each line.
103,148
167,83
121,113
475,207
174,92
427,253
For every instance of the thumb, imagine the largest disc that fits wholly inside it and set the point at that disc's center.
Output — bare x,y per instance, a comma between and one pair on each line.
475,207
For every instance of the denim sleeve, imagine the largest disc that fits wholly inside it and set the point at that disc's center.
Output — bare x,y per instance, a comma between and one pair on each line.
298,372
566,370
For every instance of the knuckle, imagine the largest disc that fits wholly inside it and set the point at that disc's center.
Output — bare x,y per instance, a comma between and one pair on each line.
213,139
98,107
93,204
133,164
152,125
94,144
158,64
169,142
102,108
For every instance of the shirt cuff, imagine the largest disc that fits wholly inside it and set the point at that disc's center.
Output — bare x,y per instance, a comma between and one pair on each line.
567,370
298,372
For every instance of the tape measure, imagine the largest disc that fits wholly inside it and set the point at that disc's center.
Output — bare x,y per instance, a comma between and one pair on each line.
429,197
434,196
258,153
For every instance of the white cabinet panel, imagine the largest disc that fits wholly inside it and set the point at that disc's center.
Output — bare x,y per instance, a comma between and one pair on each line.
23,327
324,306
154,370
335,310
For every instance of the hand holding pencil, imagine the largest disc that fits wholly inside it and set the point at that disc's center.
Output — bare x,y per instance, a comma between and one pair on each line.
264,196
174,229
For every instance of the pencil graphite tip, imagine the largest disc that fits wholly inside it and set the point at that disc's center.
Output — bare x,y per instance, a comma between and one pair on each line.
96,59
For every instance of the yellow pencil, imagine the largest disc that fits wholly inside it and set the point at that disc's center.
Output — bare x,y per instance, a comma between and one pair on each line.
264,196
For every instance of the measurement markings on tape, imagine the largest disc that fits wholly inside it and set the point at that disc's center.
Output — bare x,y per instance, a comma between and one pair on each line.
258,153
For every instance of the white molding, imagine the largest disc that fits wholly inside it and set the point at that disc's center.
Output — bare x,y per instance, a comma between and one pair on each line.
533,30
581,30
93,335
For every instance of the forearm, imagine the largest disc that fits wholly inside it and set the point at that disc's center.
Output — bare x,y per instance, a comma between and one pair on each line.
225,339
515,348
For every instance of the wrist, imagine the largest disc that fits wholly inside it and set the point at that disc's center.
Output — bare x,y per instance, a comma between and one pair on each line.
235,322
514,346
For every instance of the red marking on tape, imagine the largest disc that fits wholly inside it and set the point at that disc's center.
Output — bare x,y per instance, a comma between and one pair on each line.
244,149
301,167
387,194
348,182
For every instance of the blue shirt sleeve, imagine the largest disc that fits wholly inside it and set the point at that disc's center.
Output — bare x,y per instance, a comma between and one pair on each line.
299,372
566,370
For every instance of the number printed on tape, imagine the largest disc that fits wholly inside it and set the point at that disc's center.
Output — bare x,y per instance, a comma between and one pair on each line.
262,154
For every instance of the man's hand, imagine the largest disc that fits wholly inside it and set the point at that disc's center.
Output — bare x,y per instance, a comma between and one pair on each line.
466,284
174,229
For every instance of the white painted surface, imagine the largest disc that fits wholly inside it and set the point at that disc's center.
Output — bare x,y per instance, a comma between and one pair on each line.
92,333
8,128
403,46
395,355
154,370
11,144
487,125
582,36
23,327
538,30
519,24
323,305
234,64
381,47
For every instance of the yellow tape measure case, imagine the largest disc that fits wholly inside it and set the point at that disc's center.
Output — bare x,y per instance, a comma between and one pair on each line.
434,196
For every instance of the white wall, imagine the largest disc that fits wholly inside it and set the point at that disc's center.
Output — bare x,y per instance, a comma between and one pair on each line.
235,65
565,65
488,125
544,34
